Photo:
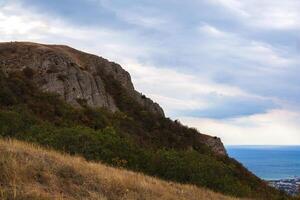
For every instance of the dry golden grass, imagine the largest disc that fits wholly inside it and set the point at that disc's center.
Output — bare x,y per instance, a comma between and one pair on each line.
30,172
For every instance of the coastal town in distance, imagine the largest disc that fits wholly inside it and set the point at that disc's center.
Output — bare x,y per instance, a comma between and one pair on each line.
290,185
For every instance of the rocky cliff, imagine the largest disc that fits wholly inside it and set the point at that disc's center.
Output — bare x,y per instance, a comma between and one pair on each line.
79,77
74,75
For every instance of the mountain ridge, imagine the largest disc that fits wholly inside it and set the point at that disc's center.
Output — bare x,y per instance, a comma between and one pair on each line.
79,78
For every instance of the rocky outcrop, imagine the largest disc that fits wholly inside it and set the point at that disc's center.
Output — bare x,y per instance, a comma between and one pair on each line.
216,145
76,76
79,78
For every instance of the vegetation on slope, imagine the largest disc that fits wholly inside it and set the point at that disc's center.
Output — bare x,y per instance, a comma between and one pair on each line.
30,172
134,139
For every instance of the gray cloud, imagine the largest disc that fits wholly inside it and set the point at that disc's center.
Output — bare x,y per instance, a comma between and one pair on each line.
210,59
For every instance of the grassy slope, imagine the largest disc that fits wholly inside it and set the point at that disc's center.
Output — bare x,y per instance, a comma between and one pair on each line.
27,114
31,172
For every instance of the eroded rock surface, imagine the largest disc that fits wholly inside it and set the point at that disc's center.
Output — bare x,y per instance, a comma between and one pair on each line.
74,75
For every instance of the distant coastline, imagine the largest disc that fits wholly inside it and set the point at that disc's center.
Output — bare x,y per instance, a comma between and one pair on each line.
269,162
291,186
277,164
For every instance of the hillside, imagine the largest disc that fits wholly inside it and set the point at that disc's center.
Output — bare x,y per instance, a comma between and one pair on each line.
81,78
30,172
39,105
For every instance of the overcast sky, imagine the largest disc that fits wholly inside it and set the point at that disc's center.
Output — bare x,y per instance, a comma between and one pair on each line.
229,68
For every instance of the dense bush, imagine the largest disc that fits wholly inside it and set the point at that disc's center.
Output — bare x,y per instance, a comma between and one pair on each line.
134,139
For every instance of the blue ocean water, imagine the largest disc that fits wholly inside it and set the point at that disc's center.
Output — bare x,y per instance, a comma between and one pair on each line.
268,162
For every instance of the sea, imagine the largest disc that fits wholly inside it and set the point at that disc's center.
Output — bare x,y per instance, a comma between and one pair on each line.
268,162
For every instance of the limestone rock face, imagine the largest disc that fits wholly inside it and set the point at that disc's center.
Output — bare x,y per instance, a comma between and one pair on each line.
77,76
74,75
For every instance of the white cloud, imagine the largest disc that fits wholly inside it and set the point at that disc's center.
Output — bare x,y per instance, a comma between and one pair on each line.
212,31
17,23
14,26
262,56
267,14
142,20
177,91
272,128
143,17
235,6
176,81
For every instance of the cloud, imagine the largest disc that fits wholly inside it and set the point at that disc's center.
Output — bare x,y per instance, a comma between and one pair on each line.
223,107
17,23
218,64
140,16
180,93
243,49
256,66
274,127
268,14
212,31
